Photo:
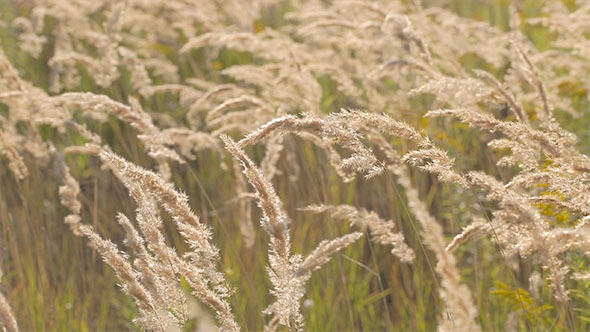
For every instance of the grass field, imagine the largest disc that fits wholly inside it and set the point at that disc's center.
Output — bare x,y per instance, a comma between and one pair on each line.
295,165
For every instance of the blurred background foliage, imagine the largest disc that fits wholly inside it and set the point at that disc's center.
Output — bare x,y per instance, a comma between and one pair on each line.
56,282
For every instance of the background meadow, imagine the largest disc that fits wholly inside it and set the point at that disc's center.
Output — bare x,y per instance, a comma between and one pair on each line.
159,82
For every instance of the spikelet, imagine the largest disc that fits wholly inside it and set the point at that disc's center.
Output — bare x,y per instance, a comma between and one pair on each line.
68,193
460,310
323,253
381,230
288,273
332,131
149,314
16,163
8,321
147,188
435,160
468,232
157,277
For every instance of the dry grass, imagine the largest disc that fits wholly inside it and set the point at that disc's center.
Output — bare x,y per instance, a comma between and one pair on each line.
345,109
